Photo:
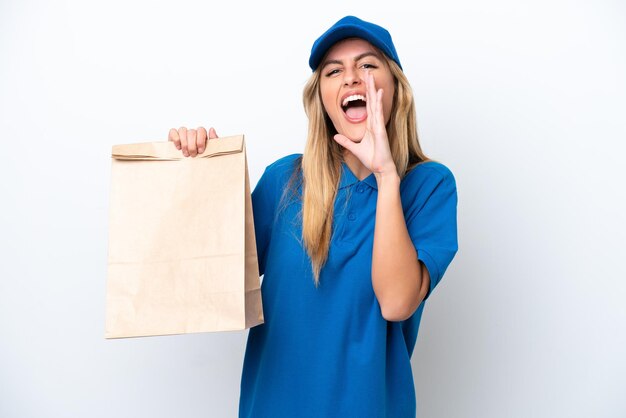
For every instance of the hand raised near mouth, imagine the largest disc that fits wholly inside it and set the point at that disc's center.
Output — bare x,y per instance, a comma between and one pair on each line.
373,150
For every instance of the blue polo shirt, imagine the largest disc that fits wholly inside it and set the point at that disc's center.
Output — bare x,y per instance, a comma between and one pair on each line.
328,352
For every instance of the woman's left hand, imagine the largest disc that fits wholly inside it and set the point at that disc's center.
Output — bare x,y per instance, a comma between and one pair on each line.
373,151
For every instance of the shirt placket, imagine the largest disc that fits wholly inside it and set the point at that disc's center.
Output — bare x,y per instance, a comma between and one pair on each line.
356,198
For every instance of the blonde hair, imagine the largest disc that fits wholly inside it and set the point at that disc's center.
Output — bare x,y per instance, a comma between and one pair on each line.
322,157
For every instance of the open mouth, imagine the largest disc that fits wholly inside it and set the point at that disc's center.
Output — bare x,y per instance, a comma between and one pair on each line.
354,108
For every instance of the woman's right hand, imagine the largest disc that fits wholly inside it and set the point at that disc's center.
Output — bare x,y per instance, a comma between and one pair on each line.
191,141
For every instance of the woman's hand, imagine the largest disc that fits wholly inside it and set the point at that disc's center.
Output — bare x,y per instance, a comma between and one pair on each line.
192,142
373,151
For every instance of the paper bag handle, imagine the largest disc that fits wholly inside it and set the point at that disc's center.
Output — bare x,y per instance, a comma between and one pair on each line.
166,150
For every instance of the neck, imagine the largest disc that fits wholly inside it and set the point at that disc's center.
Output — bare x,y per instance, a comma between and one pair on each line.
355,165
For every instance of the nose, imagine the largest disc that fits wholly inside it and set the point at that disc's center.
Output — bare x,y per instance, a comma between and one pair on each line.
351,77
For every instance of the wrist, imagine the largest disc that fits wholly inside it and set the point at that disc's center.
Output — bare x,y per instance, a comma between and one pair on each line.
387,178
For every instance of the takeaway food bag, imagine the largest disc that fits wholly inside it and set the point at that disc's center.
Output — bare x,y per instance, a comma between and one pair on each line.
182,251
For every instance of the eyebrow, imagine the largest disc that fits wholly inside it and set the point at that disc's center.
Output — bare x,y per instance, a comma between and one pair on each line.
357,58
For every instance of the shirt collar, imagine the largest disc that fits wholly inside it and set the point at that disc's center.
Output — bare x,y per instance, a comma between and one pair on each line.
348,178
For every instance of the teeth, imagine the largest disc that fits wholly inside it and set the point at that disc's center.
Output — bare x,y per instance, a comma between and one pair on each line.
352,98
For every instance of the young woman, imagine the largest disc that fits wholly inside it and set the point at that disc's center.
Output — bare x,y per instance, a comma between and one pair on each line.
352,237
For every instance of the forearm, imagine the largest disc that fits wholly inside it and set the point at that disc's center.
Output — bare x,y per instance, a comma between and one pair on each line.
396,271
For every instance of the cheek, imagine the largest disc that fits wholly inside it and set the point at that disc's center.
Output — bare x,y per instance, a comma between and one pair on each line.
328,99
327,104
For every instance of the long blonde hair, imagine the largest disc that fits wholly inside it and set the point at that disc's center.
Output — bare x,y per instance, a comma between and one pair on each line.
322,157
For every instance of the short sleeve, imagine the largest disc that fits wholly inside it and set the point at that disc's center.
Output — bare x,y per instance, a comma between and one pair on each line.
432,219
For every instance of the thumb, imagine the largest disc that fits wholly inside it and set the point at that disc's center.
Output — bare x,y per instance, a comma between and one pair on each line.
212,133
344,142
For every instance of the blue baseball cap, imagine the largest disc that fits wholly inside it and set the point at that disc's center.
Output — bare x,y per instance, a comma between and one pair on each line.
353,27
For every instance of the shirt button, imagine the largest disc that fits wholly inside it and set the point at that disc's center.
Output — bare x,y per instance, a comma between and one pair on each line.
351,216
360,189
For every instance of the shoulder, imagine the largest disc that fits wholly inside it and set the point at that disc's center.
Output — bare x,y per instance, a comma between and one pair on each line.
429,196
430,181
286,163
429,172
278,173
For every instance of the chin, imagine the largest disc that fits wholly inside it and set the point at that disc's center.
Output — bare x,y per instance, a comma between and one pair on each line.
355,139
355,134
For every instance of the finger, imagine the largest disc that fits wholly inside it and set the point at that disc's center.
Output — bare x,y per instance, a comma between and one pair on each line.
345,142
370,99
376,106
191,142
182,132
379,118
212,133
173,136
201,140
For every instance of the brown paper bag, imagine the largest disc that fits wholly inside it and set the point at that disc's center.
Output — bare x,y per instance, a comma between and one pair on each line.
182,251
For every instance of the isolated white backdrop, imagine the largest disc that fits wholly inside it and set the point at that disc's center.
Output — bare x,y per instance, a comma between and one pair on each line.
523,100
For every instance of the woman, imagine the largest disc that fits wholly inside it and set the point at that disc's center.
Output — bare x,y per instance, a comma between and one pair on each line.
352,237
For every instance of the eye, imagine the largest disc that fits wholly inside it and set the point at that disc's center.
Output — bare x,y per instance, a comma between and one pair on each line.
332,72
368,66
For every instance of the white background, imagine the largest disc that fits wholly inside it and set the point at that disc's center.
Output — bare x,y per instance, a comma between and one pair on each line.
523,100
